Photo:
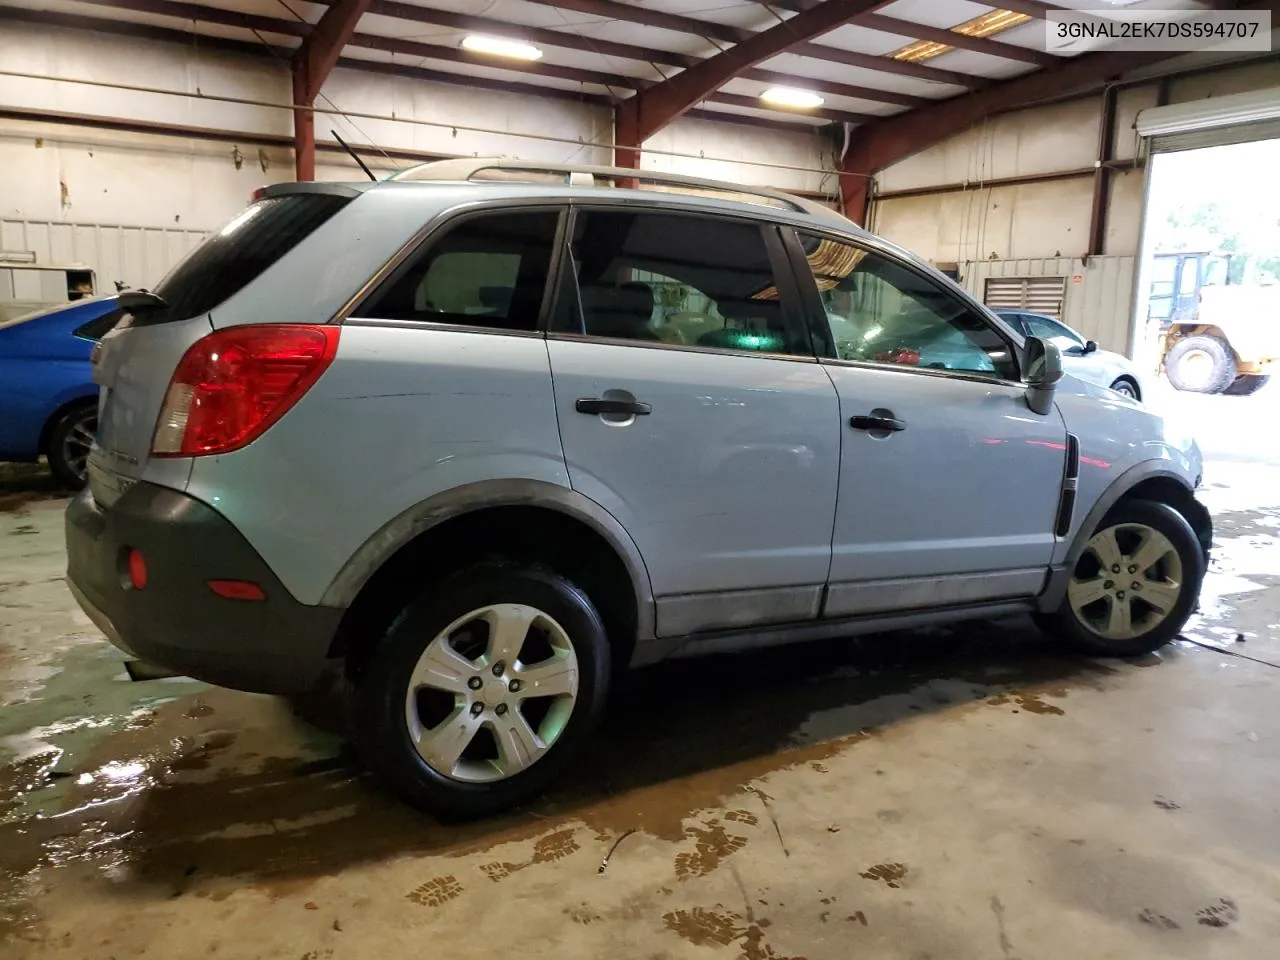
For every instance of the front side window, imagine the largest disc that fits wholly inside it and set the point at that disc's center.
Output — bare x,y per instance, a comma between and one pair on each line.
1051,330
674,279
487,271
879,311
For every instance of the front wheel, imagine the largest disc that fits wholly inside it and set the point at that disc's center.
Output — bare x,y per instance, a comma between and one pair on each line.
1135,584
482,690
1200,364
70,441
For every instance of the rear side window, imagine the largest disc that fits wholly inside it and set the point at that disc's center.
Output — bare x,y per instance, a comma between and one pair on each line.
98,327
487,271
677,279
241,251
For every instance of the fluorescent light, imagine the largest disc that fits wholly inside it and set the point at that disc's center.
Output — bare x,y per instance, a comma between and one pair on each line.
498,47
791,97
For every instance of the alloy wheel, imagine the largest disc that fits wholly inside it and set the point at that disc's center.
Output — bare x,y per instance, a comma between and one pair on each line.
1127,581
491,693
77,443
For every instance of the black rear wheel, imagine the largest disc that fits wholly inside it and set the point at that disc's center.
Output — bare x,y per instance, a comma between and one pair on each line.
1247,384
483,689
69,443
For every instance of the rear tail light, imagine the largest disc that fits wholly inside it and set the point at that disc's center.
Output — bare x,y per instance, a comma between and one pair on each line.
232,385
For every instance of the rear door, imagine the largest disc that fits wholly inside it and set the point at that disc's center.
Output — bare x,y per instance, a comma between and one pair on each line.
134,361
691,408
949,484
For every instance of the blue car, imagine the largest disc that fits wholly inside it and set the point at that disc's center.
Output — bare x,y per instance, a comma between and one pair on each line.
48,400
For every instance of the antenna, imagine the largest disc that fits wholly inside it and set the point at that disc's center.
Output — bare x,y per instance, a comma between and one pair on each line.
354,156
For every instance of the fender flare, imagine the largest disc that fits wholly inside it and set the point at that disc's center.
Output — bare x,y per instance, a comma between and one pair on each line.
468,498
1113,494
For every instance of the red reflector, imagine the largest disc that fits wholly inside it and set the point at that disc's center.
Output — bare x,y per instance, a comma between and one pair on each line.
137,570
237,589
231,386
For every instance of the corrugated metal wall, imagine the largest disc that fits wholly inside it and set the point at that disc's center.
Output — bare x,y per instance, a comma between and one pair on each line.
1099,305
136,256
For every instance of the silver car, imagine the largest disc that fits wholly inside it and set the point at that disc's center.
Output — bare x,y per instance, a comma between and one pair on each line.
1081,357
474,443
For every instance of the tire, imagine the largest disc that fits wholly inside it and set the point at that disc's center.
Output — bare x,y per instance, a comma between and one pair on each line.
69,443
1088,626
1126,388
1247,384
1187,357
473,773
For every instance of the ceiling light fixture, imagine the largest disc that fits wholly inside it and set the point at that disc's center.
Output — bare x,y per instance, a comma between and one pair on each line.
791,97
989,24
499,47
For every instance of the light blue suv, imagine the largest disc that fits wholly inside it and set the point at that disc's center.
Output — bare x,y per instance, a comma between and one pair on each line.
476,436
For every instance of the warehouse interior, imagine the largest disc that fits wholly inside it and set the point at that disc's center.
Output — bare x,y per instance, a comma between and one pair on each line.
942,790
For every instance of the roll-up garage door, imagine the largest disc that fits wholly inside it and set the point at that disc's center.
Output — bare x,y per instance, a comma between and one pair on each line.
1212,122
1029,294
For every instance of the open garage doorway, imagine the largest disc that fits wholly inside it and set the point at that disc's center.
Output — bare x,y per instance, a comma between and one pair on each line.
1208,298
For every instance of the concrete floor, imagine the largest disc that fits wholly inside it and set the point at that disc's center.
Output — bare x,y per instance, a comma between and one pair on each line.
941,794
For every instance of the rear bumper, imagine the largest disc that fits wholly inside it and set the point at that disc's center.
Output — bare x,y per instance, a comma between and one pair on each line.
276,645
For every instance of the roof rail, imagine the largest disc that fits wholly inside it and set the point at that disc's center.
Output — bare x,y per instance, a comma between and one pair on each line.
581,174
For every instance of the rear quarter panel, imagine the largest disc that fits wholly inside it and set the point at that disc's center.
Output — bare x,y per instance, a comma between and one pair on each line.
42,368
404,412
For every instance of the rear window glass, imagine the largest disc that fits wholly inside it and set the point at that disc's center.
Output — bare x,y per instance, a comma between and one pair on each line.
239,253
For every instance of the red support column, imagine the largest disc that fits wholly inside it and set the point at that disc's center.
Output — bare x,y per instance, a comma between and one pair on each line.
312,62
304,127
626,140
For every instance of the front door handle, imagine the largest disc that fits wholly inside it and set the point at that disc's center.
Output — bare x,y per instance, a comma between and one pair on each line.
625,408
877,423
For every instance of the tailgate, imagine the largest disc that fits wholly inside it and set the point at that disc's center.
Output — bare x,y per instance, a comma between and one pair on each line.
132,366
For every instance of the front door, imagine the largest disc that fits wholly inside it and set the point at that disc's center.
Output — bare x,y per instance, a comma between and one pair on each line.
949,484
691,408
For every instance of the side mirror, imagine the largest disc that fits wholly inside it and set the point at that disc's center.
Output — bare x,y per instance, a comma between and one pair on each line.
1042,361
1089,347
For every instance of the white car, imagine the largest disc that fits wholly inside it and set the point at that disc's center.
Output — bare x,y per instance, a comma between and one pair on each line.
1080,357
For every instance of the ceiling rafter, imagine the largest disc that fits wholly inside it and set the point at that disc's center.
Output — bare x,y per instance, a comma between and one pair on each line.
920,31
610,48
723,33
961,41
281,55
415,48
643,115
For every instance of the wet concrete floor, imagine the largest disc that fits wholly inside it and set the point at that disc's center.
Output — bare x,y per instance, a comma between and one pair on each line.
945,794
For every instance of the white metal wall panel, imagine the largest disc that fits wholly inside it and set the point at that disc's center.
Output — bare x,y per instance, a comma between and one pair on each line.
136,256
1098,304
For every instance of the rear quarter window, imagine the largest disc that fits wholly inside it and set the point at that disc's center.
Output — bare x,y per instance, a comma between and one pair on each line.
241,251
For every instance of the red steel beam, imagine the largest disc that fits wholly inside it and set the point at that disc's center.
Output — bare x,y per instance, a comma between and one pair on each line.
610,48
993,48
649,111
723,33
877,145
920,31
310,67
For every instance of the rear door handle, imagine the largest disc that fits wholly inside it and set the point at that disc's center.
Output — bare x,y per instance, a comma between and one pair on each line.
626,408
877,423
